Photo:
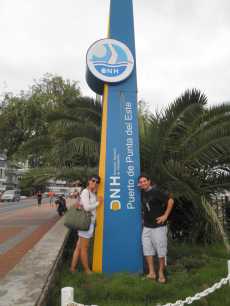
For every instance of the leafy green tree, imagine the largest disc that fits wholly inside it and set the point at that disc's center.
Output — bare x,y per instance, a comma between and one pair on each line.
55,128
52,125
23,120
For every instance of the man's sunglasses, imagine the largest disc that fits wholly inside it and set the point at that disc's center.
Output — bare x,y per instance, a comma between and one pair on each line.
95,181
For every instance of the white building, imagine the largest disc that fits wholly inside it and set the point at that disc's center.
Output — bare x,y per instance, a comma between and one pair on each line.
10,174
58,187
3,172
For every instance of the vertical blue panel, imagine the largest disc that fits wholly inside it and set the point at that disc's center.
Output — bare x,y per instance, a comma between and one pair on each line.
122,227
122,28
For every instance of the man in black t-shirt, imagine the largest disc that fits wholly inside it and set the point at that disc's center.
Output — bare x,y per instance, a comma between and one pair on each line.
156,207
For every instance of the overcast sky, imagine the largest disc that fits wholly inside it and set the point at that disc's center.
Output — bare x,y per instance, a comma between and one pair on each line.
180,44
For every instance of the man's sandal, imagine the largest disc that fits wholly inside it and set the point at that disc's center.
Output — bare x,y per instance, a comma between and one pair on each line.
162,280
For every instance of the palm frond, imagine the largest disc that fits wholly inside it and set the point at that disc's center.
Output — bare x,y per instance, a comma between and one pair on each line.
215,222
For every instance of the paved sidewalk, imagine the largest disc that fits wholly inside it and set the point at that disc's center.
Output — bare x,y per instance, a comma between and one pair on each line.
20,230
28,283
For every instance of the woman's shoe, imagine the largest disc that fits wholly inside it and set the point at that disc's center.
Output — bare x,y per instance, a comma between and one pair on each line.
151,276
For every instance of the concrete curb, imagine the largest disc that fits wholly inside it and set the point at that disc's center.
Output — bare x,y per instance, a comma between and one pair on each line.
28,283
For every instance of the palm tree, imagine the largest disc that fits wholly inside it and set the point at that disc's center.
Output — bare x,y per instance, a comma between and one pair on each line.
71,145
75,133
186,150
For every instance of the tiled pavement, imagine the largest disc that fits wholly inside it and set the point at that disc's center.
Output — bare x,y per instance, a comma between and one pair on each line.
20,230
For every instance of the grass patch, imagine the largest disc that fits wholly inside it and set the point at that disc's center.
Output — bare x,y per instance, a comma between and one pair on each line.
190,269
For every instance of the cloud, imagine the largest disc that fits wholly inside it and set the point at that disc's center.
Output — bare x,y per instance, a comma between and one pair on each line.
180,44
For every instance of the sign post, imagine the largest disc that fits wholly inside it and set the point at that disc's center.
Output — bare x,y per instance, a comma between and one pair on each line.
111,72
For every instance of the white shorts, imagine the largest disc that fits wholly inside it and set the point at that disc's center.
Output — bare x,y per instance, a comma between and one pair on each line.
87,234
154,241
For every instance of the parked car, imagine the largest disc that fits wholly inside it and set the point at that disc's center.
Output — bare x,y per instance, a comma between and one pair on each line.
23,197
10,196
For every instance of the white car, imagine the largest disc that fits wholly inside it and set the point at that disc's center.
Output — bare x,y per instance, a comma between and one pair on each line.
10,196
23,197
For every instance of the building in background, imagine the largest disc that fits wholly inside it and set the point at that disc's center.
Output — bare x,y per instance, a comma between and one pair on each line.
3,170
58,187
10,173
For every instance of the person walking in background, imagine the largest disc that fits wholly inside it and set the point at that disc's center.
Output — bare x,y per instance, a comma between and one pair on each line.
51,195
78,189
156,207
61,205
90,202
39,198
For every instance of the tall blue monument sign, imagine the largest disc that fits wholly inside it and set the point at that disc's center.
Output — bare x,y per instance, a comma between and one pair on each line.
111,72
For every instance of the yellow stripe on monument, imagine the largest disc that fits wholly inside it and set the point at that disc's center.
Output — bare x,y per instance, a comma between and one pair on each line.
98,240
99,234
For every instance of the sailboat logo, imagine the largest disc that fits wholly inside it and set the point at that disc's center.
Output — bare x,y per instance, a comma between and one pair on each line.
110,60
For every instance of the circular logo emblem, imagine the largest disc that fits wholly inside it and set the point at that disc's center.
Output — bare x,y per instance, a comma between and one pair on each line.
110,60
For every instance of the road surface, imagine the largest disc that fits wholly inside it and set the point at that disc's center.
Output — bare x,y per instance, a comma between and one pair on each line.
29,202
